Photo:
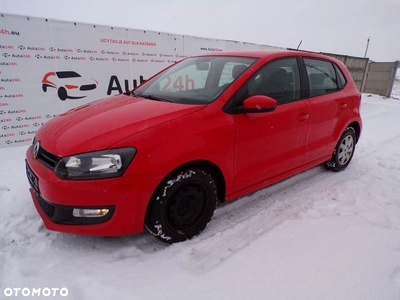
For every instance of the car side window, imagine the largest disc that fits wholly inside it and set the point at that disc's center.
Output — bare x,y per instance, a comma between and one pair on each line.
321,77
279,79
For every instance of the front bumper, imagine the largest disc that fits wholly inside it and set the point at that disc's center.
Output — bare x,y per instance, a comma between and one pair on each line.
126,197
63,214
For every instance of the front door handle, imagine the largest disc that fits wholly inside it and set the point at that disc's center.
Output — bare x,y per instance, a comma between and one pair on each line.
302,117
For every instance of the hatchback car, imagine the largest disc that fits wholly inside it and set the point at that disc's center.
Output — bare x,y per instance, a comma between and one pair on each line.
209,128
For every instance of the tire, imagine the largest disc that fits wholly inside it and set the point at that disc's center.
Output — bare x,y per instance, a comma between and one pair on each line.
44,88
344,151
62,93
182,206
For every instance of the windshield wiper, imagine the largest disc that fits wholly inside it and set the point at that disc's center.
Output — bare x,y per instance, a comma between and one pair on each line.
130,93
133,94
152,97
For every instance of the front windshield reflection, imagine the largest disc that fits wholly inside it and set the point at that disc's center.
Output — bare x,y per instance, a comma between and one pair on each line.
196,80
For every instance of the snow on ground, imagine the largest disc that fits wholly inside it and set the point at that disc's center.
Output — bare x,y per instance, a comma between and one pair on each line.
318,235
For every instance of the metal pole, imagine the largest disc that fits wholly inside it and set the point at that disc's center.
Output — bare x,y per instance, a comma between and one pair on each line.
366,49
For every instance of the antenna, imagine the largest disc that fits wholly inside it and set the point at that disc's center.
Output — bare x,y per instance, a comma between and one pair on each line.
299,45
366,49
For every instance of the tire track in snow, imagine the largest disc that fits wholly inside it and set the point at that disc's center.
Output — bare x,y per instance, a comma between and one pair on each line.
234,228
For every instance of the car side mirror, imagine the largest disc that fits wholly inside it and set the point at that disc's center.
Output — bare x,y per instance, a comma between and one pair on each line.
258,104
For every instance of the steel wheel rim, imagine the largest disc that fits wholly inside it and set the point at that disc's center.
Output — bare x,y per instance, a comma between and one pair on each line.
186,206
346,150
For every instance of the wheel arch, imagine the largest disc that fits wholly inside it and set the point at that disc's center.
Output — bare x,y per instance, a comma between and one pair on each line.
207,166
357,129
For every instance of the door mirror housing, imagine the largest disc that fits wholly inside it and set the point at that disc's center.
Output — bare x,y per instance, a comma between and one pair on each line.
258,104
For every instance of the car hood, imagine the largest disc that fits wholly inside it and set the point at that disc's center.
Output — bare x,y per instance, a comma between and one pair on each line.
100,124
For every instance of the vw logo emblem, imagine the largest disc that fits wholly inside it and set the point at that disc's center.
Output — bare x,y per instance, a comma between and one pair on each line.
36,149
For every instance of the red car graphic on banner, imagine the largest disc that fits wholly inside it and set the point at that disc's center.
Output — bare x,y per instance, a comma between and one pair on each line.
69,84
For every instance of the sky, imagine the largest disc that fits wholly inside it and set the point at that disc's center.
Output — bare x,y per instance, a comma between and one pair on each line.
339,26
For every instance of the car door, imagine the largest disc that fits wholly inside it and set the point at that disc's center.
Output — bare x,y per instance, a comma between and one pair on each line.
328,103
271,143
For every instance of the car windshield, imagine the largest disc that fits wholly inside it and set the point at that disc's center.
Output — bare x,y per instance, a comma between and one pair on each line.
196,80
67,74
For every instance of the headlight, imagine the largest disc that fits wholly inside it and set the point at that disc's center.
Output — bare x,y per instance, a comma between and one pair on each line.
95,165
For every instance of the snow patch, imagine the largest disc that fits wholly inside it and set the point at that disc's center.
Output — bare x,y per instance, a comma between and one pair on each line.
160,232
178,178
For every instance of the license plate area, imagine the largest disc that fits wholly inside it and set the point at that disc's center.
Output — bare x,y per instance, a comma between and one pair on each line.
32,178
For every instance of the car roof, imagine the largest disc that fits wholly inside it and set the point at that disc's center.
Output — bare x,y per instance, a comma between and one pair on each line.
267,53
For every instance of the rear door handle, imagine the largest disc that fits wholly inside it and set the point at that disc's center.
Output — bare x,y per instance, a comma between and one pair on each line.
342,105
302,117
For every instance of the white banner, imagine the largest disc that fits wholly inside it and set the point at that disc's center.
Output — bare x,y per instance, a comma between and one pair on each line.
48,67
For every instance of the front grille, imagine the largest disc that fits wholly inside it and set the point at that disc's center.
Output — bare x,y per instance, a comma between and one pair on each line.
47,159
48,208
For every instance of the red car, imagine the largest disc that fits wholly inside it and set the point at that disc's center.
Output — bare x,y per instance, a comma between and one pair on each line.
209,128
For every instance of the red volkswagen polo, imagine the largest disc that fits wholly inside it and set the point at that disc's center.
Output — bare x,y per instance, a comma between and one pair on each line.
209,128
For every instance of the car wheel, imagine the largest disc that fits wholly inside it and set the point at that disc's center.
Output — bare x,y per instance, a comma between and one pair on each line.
44,88
344,151
62,93
182,206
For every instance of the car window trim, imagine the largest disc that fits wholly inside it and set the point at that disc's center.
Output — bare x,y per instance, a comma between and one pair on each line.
337,70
